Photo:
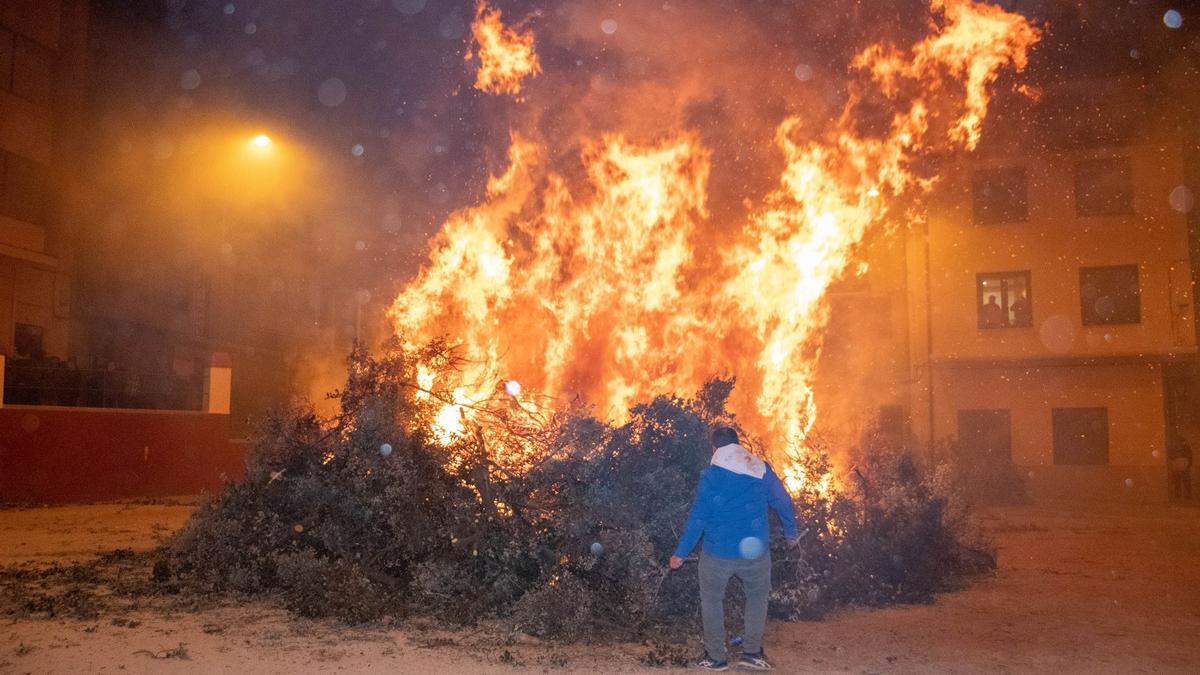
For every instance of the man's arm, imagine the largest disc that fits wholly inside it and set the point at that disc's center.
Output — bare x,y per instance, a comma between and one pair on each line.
696,519
779,499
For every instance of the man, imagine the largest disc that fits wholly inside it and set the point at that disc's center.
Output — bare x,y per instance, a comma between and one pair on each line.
1022,316
991,315
730,512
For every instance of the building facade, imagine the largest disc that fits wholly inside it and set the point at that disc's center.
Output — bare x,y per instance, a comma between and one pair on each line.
105,301
1052,313
42,57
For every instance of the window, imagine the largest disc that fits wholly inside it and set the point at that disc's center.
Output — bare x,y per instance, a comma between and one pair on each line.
26,68
7,45
1109,295
32,71
1080,436
1004,300
1104,187
985,435
999,196
27,339
23,190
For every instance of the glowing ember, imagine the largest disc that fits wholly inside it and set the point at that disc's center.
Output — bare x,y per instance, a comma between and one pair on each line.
451,420
595,288
506,57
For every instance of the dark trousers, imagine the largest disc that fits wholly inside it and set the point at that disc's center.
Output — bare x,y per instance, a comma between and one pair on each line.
1181,484
715,574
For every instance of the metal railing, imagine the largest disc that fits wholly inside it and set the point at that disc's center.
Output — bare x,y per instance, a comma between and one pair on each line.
58,383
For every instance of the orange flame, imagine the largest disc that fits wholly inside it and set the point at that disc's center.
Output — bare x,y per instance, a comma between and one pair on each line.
506,57
597,290
976,41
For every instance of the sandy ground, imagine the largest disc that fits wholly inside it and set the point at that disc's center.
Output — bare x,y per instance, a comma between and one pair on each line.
75,533
1095,590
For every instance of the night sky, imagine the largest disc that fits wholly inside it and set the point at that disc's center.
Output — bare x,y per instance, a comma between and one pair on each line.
379,93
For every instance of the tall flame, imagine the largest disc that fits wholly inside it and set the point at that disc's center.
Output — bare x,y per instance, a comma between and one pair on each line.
598,289
506,56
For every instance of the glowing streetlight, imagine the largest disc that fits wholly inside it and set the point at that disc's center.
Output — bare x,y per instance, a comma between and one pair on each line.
262,141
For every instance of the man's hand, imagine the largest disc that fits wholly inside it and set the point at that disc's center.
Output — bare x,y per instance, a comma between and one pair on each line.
795,541
676,562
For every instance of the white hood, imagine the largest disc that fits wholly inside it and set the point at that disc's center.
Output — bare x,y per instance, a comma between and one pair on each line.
737,459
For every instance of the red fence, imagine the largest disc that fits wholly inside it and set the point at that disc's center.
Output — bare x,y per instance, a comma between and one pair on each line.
52,454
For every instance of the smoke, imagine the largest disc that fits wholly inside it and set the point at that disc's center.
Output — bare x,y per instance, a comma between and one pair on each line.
194,239
728,73
650,70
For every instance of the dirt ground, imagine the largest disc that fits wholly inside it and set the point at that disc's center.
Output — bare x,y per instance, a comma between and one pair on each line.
42,536
1079,589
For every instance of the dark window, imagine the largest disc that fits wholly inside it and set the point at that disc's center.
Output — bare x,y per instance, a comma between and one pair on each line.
1104,187
1004,300
1080,435
27,339
198,304
985,435
23,191
999,196
1109,295
6,59
32,72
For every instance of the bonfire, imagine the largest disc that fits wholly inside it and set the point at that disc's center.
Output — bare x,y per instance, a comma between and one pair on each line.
526,446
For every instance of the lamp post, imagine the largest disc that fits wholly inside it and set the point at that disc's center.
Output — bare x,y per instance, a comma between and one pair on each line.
259,148
251,154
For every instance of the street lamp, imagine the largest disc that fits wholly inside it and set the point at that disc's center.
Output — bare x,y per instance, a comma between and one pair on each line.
249,170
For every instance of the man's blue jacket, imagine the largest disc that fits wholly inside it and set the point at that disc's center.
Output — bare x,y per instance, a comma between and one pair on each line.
730,511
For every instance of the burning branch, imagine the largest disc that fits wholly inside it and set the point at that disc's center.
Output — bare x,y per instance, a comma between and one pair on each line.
506,56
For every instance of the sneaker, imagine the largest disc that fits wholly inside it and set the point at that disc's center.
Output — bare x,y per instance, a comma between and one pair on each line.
755,662
709,663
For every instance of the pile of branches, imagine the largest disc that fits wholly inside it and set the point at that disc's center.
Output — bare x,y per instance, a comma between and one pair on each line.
366,516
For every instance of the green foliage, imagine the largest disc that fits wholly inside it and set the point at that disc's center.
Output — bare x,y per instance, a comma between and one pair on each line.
576,544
